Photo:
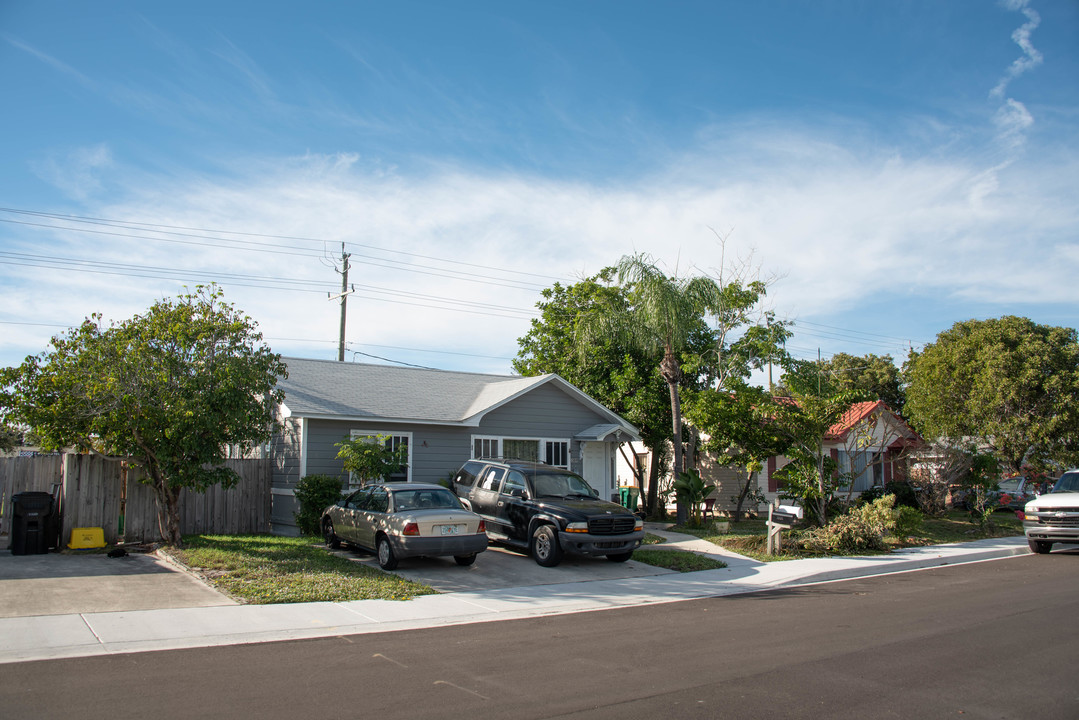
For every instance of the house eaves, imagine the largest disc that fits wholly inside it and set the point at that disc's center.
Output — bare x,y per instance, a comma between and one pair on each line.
601,433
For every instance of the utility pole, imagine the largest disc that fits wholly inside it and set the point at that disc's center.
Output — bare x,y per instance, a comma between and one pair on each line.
345,292
818,371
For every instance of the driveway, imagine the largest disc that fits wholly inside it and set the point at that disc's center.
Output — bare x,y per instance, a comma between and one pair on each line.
57,584
499,567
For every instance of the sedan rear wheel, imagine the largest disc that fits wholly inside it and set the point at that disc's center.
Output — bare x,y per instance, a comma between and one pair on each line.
386,558
465,560
329,535
545,548
1040,546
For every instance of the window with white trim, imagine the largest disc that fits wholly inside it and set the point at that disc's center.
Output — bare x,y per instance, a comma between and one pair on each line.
556,452
486,447
392,441
550,451
514,449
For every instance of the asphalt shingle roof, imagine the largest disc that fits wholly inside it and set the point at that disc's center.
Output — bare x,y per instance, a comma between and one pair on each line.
324,388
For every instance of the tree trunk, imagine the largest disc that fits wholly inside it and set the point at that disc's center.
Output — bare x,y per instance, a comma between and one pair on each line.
671,371
651,508
638,476
168,511
679,463
743,492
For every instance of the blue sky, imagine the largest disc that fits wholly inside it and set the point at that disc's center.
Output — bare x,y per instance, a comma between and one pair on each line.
890,167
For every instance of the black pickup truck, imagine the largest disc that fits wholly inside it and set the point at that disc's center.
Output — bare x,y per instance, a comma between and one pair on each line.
548,510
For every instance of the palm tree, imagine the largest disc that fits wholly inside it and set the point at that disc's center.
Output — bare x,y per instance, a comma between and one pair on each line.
663,314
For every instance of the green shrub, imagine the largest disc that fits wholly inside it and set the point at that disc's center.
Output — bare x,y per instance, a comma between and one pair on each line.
315,493
861,528
908,521
905,494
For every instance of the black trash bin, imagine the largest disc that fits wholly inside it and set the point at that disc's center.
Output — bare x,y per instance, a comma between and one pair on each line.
33,523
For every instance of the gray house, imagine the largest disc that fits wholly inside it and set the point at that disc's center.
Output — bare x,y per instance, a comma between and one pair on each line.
444,418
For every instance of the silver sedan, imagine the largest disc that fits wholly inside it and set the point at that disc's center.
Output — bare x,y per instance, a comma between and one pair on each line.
400,520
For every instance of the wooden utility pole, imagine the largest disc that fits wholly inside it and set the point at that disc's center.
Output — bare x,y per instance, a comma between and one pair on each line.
345,292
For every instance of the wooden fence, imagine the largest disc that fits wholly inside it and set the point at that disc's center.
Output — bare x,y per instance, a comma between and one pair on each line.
96,492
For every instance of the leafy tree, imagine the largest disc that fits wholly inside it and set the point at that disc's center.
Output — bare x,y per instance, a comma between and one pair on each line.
1010,382
739,430
169,390
662,316
981,478
618,375
9,438
372,457
874,377
802,421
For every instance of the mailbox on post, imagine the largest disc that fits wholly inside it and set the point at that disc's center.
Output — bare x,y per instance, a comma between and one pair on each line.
780,518
785,515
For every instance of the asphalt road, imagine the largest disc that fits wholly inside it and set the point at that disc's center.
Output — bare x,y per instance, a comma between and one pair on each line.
994,639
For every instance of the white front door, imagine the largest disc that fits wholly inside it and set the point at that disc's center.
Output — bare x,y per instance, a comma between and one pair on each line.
597,467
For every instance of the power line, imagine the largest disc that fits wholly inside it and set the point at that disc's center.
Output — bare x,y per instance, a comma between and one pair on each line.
370,292
850,332
188,232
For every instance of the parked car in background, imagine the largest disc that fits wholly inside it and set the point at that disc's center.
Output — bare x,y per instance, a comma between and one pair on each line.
402,520
1010,494
1015,492
547,510
1054,517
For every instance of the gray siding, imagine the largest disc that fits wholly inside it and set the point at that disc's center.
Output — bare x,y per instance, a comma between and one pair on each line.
544,412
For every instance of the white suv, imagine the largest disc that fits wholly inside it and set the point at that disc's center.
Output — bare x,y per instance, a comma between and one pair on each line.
1054,517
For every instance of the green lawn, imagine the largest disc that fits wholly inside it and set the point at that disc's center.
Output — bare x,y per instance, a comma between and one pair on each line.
749,537
679,560
266,569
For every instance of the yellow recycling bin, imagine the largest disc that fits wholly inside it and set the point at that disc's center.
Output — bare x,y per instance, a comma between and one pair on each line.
84,538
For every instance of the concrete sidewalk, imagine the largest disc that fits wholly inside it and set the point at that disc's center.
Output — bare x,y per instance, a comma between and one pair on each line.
101,633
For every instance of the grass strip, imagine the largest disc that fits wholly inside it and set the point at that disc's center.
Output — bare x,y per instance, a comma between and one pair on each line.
750,537
680,560
268,569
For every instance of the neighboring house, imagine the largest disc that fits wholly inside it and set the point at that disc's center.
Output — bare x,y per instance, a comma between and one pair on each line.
444,418
871,444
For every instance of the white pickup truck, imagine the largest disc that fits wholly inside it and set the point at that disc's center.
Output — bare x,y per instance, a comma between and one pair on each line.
1054,517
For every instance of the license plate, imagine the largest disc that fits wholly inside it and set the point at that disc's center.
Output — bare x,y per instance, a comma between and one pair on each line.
450,529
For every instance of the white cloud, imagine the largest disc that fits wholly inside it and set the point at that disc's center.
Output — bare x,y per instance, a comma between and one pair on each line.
1012,121
845,222
1031,58
77,172
53,62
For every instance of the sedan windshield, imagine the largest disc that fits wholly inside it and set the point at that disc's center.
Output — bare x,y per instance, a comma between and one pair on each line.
427,499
